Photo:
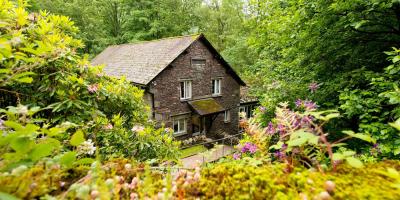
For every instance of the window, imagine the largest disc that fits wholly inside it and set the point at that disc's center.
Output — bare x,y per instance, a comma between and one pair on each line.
247,109
186,89
198,63
216,86
227,116
179,126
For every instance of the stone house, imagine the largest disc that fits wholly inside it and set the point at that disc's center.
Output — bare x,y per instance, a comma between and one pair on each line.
188,85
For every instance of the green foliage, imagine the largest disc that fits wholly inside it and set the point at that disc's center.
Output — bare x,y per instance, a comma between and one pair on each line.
373,108
328,42
40,68
24,142
230,180
298,138
105,22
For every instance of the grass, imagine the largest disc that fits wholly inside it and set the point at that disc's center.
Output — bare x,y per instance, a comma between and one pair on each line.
192,151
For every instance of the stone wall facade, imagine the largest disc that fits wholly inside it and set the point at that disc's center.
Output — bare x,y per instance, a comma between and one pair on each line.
165,90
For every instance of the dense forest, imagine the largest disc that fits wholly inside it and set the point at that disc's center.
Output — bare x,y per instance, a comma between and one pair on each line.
326,73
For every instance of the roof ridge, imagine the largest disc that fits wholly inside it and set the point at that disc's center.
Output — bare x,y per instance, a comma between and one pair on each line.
196,35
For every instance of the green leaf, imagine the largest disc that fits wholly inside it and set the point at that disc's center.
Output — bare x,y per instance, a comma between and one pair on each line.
22,144
6,196
77,138
357,25
5,71
338,156
41,151
349,153
354,162
84,161
396,151
68,159
25,80
16,126
297,142
396,124
277,145
301,137
361,136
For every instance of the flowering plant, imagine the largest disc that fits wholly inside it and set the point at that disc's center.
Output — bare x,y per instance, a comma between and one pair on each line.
297,137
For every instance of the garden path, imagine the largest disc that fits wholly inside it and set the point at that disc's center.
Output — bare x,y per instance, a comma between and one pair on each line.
208,156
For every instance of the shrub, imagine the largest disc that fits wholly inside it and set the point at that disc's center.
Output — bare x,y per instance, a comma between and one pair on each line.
298,138
41,70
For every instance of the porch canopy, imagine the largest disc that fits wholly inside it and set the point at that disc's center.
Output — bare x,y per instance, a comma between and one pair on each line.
206,106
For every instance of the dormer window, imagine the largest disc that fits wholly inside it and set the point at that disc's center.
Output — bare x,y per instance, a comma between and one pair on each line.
186,89
216,87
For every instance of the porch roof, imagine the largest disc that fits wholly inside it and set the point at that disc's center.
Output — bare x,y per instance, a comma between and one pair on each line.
206,106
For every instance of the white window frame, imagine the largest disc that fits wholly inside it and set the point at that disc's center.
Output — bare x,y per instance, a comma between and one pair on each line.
187,89
181,122
227,116
216,86
243,109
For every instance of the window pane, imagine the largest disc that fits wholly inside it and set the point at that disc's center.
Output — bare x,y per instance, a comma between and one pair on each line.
227,116
213,86
176,126
182,90
218,86
188,89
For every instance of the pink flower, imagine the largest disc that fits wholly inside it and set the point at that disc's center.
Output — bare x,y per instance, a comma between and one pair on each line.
313,87
282,129
249,147
108,127
270,129
236,156
93,88
137,128
298,102
309,105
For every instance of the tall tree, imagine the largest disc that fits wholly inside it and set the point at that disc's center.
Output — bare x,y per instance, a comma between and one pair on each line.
299,42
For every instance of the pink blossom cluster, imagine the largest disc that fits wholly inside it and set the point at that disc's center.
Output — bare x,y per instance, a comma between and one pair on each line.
249,147
313,87
287,119
108,127
93,88
137,128
306,104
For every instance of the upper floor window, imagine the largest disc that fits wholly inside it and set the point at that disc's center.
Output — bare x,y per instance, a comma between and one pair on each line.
216,86
186,89
198,63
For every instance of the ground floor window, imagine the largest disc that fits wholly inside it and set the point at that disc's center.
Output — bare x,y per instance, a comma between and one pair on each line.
179,126
248,109
227,116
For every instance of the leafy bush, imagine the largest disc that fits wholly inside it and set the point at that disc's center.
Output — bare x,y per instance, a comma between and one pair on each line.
298,138
372,109
74,108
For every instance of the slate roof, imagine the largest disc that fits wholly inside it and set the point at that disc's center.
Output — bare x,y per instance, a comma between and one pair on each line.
141,62
206,106
246,97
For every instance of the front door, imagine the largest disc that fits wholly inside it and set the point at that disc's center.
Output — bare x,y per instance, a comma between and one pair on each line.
198,125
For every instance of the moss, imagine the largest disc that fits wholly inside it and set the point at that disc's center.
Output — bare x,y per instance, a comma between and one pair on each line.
230,180
206,106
